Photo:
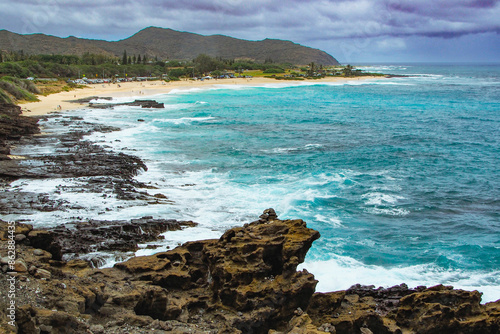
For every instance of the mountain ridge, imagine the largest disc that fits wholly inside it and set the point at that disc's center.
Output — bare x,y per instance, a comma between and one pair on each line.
166,43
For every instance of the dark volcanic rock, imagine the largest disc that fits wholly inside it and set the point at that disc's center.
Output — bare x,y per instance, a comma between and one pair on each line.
95,163
95,168
90,98
13,126
136,103
101,235
74,157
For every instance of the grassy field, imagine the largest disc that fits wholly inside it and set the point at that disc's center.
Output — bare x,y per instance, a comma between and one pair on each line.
52,87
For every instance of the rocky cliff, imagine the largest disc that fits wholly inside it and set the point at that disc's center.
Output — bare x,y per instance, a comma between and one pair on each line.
13,126
245,282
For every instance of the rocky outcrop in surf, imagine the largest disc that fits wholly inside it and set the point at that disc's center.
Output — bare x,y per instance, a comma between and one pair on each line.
65,153
244,282
136,103
72,155
93,236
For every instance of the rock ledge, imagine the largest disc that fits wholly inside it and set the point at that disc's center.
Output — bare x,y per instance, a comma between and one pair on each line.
245,282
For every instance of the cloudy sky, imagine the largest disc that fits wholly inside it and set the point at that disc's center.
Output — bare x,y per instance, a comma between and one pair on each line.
354,31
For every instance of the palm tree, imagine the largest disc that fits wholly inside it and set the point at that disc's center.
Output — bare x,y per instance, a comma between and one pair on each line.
312,69
124,58
348,71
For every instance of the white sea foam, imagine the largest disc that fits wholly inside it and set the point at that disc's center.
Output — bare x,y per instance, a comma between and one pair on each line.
377,198
313,146
125,139
382,68
285,150
339,178
73,203
333,221
114,100
183,120
185,90
379,82
388,211
341,272
212,199
379,203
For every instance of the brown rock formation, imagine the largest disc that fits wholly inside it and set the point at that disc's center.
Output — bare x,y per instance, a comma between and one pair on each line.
438,309
244,282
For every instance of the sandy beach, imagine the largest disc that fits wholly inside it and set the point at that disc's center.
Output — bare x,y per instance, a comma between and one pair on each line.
61,101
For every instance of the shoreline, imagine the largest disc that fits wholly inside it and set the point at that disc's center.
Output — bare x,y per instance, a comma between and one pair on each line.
190,279
50,103
215,286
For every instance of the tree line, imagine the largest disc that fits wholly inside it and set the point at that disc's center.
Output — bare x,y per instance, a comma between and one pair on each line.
18,64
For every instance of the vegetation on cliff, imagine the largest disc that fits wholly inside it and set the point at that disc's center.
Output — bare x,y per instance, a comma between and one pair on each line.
13,89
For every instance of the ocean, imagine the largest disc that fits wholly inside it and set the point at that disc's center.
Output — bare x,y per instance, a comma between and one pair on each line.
400,175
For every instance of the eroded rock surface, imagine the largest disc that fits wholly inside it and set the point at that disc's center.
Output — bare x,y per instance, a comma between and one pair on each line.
396,310
78,238
244,282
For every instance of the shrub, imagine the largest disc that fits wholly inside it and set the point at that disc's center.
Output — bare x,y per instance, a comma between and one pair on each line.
17,92
23,83
4,97
13,69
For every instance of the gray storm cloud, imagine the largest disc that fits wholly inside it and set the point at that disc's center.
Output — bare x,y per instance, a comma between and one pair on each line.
307,22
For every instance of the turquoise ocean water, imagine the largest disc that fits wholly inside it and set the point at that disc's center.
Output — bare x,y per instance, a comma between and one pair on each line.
400,175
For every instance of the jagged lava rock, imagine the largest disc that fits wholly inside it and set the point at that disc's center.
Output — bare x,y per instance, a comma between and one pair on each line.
396,310
442,310
104,235
253,270
250,272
